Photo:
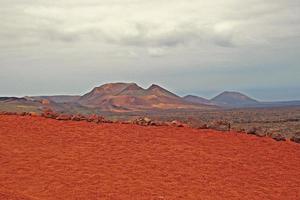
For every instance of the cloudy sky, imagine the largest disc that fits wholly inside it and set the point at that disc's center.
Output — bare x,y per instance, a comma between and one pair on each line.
190,47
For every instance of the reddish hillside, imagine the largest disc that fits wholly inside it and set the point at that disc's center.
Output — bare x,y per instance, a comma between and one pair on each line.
131,97
49,159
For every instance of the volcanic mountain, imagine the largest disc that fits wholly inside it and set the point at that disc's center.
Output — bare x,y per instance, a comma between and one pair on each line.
131,97
233,99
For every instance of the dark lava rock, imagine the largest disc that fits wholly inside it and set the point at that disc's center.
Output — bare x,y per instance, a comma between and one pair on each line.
252,131
220,125
33,114
108,121
9,113
143,121
95,119
177,123
203,126
49,114
64,117
24,114
259,132
78,117
296,138
278,137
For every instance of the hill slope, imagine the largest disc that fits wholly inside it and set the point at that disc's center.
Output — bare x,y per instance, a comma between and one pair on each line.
131,97
196,99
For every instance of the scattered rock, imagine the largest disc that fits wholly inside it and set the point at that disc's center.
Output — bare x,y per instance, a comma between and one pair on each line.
278,137
143,121
252,131
107,121
49,114
78,117
95,119
203,126
296,138
240,130
24,114
177,123
158,123
10,113
220,125
125,122
152,123
33,114
64,117
261,133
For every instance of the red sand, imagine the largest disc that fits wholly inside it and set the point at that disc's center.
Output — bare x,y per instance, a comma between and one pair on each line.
48,159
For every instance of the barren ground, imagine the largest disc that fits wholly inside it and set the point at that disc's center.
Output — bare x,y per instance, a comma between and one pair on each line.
43,159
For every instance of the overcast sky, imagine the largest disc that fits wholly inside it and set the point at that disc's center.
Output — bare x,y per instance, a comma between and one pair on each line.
188,46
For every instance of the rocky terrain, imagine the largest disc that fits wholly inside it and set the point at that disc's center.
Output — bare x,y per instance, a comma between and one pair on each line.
279,123
45,159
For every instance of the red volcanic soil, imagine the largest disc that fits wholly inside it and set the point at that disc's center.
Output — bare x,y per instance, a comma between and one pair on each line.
49,159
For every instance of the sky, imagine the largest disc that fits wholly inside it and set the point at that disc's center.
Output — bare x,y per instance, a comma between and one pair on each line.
199,47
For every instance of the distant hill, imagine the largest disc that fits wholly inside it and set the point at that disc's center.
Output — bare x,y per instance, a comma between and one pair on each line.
26,104
13,100
59,98
238,100
233,99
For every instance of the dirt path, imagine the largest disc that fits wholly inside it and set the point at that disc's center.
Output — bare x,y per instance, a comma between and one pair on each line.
48,159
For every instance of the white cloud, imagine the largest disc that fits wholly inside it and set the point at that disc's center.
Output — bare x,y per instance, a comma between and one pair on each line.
157,52
157,24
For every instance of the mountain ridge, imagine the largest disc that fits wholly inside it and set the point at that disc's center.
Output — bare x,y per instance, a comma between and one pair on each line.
130,97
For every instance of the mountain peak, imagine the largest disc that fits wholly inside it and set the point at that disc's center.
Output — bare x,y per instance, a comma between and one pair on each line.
133,86
103,90
159,91
232,93
154,86
191,96
115,85
132,89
